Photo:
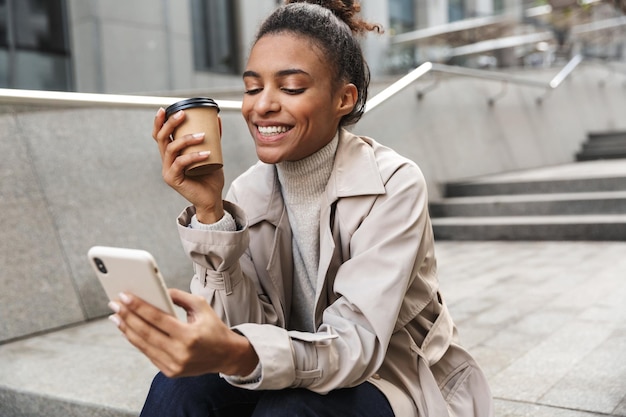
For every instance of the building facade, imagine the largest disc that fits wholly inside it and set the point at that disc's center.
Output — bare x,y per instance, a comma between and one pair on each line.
162,46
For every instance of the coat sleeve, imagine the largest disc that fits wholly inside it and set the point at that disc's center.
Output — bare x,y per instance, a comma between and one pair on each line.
388,251
218,257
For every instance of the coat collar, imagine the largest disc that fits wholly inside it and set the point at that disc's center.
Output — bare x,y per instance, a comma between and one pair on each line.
355,173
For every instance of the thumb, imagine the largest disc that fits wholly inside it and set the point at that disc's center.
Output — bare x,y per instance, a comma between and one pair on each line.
192,304
185,300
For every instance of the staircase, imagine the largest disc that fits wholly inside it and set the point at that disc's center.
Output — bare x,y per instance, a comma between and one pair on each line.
579,201
610,145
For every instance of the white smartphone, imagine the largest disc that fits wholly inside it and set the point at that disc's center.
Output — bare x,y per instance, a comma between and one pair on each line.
130,270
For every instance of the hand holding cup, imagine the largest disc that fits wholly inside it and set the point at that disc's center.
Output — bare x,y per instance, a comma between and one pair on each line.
189,143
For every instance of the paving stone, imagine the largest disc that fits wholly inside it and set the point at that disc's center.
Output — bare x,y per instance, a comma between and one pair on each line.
530,377
598,382
620,410
546,295
505,408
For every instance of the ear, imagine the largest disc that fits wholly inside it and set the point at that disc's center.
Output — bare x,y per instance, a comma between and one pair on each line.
348,98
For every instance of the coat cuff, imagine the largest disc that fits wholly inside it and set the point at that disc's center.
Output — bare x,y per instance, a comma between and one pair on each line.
254,377
214,250
272,345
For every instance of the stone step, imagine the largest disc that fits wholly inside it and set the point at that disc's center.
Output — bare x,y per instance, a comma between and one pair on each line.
602,136
595,154
558,228
85,370
595,147
605,141
464,189
609,202
588,176
609,145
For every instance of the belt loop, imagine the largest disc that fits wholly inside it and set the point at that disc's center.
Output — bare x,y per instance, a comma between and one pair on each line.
228,288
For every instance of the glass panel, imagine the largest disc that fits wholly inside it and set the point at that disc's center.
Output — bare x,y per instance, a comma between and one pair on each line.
214,38
38,71
456,10
402,19
4,68
34,45
498,6
401,16
3,23
39,25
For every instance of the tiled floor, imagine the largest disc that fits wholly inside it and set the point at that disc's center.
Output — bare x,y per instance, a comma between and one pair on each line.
546,320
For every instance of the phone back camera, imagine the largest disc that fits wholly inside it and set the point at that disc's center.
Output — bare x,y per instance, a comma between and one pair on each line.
100,265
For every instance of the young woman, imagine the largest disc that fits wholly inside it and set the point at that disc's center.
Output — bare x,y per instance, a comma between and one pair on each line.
315,290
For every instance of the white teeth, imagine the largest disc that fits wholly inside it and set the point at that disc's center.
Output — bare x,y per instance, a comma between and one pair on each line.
272,130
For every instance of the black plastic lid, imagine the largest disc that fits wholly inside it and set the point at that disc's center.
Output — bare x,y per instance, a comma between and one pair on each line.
190,103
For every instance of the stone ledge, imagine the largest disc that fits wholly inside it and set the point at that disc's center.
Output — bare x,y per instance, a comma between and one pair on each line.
89,369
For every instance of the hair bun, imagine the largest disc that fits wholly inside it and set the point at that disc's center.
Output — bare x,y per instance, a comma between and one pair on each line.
347,11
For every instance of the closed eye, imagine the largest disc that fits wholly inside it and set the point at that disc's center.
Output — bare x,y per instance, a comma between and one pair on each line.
294,91
253,91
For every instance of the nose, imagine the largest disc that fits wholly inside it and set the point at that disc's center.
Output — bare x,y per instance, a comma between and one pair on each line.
266,102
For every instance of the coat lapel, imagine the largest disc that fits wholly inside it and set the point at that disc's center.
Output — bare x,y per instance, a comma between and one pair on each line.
264,203
355,173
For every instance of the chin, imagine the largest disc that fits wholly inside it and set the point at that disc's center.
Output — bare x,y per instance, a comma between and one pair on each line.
269,158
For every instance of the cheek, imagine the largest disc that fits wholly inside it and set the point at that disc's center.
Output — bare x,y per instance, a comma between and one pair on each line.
309,109
246,106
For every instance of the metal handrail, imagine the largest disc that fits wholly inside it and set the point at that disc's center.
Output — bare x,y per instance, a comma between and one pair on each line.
428,67
35,97
427,34
63,98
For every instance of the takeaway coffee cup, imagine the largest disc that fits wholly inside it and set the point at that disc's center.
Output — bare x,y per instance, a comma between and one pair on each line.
200,116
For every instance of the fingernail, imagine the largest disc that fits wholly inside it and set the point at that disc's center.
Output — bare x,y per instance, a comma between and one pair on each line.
114,306
204,153
124,298
178,115
116,320
198,135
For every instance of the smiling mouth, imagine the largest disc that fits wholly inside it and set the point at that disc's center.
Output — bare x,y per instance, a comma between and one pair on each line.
272,130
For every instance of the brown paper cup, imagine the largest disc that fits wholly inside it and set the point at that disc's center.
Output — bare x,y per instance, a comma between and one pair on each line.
200,117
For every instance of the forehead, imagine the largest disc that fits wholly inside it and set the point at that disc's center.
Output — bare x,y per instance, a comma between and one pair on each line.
279,51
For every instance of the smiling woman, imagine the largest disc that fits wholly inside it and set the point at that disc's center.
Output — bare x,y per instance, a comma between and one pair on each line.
315,289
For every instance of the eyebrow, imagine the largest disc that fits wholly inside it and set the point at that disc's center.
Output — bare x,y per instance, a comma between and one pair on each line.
281,73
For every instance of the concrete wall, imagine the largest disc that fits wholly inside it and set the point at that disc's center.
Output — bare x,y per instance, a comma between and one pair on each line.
73,178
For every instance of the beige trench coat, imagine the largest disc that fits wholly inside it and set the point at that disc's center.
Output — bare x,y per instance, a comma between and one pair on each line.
378,312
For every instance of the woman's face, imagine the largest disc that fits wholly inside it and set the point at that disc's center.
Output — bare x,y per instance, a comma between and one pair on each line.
290,105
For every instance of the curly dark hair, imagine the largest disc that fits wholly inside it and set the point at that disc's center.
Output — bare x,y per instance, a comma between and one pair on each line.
333,26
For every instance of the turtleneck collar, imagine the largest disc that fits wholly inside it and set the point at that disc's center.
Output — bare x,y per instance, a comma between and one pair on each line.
308,176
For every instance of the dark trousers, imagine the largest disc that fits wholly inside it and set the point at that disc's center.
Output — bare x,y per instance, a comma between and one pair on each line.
211,396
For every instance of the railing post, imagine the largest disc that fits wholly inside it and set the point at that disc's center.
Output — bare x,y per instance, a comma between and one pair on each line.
492,100
421,93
